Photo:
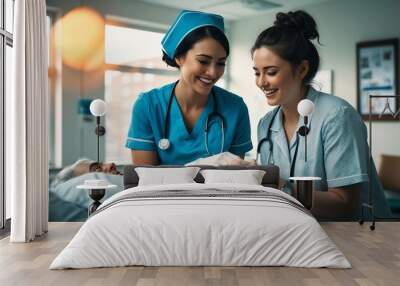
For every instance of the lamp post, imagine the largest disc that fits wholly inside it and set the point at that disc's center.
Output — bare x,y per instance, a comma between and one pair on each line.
98,109
305,108
304,190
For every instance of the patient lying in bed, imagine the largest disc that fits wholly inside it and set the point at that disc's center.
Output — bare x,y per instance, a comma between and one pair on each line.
66,202
81,167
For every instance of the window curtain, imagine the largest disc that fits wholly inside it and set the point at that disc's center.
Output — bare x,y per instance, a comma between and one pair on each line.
27,119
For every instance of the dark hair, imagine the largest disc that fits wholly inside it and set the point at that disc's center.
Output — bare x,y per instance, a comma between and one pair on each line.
93,167
194,37
290,37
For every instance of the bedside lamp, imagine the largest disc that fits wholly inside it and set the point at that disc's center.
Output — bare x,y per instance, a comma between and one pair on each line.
97,188
98,108
305,108
304,191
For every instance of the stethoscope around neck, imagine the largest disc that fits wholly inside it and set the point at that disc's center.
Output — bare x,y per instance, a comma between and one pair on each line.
164,143
305,108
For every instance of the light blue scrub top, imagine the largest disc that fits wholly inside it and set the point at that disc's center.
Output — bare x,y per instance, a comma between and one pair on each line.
337,148
147,125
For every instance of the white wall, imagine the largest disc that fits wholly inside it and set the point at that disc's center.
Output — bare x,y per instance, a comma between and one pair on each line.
341,25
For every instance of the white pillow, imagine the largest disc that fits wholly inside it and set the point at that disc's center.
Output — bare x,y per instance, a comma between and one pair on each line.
164,176
248,177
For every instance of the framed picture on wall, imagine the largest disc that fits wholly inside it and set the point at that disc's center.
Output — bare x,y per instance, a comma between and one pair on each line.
377,70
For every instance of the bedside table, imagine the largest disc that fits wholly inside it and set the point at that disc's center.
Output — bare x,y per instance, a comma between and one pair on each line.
97,190
304,190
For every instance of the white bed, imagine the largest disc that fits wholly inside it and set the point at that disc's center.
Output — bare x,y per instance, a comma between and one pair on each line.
201,224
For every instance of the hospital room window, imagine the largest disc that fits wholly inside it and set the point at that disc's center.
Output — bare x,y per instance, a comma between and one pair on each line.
52,77
130,69
6,44
134,47
55,90
9,19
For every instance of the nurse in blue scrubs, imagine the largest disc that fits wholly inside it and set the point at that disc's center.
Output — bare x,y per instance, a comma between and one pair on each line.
191,118
285,62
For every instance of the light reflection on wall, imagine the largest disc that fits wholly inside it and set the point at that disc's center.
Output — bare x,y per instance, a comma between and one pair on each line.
82,39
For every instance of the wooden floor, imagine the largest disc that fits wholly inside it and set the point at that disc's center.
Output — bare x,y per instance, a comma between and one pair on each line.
374,255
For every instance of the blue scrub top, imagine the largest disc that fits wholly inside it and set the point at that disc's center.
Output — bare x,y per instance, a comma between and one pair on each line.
147,125
337,148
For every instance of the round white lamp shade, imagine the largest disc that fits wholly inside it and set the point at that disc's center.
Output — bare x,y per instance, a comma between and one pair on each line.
98,107
305,107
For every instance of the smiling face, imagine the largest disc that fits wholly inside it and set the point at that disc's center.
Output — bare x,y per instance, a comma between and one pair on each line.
202,66
280,82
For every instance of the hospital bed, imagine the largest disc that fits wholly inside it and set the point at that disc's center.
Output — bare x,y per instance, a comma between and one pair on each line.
199,224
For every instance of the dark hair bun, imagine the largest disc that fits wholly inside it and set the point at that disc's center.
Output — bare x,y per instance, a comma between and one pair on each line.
169,61
300,21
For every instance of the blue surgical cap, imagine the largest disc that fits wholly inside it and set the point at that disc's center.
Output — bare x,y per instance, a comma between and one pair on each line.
186,22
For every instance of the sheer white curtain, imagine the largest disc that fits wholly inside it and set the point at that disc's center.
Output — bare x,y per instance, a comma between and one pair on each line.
26,117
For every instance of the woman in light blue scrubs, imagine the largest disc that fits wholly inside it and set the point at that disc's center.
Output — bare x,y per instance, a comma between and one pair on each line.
191,118
285,62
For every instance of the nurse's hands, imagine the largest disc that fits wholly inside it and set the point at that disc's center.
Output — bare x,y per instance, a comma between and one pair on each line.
222,159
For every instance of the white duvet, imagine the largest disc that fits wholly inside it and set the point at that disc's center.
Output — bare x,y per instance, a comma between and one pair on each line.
206,230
